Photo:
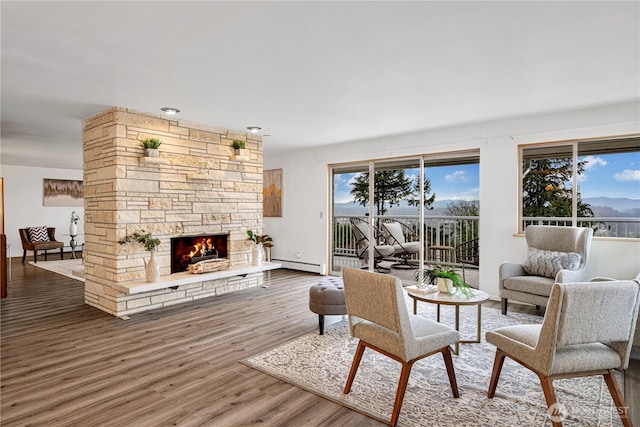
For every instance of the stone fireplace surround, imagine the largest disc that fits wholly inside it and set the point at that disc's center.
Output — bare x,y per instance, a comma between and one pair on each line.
196,186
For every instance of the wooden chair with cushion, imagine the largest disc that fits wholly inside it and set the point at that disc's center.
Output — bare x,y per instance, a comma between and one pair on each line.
378,316
587,330
39,239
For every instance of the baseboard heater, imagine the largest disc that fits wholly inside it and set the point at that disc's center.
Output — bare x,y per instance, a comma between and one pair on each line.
302,266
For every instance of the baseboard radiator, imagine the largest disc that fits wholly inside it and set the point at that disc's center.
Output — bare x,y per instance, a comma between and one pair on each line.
302,266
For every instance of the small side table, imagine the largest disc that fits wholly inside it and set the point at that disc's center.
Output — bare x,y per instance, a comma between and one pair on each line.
456,300
73,243
442,253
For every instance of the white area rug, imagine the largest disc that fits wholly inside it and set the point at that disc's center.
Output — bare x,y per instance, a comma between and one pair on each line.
72,268
320,364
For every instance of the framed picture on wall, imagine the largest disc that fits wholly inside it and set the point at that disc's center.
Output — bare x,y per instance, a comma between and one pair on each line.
63,192
272,193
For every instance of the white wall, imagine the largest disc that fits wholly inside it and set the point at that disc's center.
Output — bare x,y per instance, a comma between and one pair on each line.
306,185
23,194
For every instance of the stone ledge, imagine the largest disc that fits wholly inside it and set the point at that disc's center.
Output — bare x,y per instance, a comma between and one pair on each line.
177,279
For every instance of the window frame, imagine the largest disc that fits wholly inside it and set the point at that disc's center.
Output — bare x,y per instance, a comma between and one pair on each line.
617,144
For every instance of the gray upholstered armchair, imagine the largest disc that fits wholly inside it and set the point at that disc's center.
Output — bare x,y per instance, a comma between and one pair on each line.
587,330
554,254
378,316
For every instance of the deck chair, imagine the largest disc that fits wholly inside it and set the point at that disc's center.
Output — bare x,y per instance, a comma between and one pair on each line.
394,233
360,228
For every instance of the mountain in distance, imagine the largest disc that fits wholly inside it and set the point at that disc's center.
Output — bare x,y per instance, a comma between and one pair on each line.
601,206
613,206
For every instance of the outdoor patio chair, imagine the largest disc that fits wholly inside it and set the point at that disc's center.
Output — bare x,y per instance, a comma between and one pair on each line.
394,233
360,228
468,253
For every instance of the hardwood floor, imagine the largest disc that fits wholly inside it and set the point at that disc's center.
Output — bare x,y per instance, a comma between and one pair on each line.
64,363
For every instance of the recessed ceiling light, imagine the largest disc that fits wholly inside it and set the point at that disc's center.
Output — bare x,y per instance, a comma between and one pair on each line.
254,129
170,110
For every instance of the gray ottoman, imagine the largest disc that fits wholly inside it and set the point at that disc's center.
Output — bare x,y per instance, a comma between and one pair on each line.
327,297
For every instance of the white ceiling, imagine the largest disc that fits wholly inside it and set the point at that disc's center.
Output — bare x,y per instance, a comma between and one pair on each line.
308,73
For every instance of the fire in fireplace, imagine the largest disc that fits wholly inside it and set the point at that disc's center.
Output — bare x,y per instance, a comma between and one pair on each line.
187,250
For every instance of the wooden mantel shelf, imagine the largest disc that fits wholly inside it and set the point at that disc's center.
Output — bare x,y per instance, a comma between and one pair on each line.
177,279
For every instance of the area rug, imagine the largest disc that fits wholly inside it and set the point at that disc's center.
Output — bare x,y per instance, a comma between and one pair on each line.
72,268
320,364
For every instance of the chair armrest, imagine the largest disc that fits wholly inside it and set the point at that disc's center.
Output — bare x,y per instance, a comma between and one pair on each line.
570,276
509,269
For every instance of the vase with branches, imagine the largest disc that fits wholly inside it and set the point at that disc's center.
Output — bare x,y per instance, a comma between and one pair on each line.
150,243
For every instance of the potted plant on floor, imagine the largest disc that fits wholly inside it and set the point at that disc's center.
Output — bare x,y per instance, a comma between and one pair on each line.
152,268
151,146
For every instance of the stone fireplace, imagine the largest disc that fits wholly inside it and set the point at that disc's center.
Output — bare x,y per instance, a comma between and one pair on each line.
187,250
195,187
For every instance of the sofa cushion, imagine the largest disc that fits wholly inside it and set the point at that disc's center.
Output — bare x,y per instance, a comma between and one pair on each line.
38,234
548,263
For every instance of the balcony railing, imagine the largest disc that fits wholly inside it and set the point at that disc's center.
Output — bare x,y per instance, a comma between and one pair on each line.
602,226
439,231
453,230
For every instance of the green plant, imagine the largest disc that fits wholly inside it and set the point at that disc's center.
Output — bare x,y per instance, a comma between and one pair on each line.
239,145
430,275
153,143
150,243
260,238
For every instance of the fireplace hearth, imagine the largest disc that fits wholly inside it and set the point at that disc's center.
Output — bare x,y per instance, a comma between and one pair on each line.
186,250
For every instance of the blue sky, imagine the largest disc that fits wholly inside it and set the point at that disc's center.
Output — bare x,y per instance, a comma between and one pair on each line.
610,175
448,182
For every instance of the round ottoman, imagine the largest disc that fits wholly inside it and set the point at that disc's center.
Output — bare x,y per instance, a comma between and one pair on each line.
327,297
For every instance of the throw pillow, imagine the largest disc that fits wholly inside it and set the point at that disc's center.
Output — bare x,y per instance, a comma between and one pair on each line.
548,263
38,234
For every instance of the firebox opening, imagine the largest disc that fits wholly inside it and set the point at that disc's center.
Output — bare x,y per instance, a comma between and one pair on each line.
187,250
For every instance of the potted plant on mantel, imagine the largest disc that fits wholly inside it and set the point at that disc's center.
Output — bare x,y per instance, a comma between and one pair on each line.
151,268
151,146
447,280
240,149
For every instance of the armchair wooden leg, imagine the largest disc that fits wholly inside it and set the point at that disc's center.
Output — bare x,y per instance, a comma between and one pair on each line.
503,303
24,255
354,366
402,387
35,256
448,362
62,253
550,397
495,374
617,397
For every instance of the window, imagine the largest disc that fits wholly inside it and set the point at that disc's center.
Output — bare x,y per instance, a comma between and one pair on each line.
588,183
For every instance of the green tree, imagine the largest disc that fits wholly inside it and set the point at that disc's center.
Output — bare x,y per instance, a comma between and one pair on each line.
544,192
391,187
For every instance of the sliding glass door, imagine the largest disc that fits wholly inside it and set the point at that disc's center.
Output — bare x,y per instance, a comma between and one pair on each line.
413,213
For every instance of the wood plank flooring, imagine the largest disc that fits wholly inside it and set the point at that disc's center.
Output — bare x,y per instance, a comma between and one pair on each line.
64,363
